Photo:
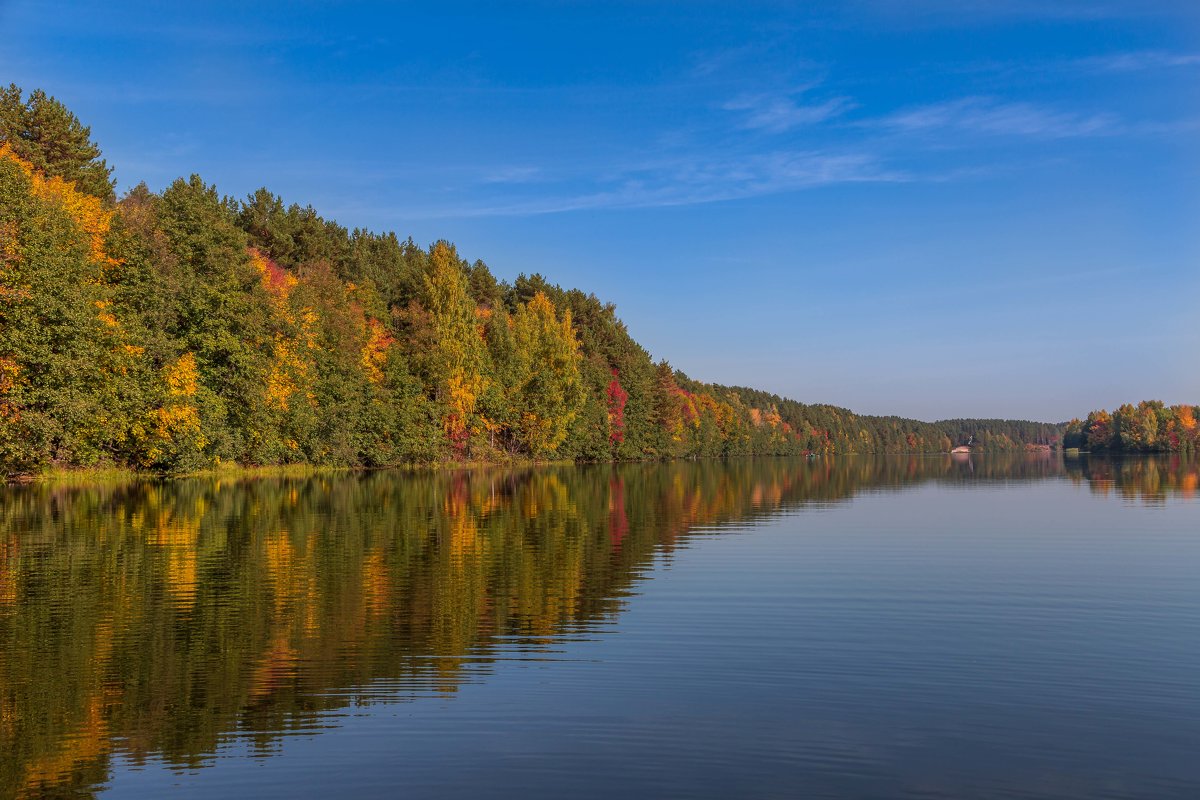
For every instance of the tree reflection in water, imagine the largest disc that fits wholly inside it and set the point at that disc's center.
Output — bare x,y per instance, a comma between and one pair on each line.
158,620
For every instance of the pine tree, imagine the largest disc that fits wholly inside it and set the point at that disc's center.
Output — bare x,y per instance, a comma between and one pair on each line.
44,133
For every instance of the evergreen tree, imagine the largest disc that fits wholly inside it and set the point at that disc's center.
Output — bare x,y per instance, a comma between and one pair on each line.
44,133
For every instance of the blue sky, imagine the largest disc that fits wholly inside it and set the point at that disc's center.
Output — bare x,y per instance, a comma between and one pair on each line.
933,208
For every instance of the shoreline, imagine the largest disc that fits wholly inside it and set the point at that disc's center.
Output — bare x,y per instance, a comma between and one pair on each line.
108,475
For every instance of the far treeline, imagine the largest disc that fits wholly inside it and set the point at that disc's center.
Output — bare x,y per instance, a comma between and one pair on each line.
1148,427
179,330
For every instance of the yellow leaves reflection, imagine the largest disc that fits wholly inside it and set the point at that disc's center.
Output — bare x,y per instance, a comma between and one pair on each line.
178,537
203,607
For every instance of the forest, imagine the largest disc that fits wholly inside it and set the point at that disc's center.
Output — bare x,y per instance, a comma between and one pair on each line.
180,330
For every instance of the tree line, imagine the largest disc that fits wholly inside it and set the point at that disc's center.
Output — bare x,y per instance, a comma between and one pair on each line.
1149,427
177,330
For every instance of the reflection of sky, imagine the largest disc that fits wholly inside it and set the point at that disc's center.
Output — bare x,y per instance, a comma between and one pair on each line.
1038,640
996,199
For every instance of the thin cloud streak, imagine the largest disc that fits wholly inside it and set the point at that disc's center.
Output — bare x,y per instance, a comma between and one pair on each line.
777,114
1139,61
692,182
955,13
513,174
982,115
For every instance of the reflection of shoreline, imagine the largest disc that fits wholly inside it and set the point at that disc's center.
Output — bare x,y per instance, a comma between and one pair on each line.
203,609
1150,479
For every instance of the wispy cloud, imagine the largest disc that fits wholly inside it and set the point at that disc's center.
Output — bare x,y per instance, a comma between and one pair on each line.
1176,127
981,115
713,62
780,113
1140,60
513,174
688,181
970,12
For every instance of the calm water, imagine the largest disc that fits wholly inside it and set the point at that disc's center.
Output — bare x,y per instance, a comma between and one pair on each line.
905,627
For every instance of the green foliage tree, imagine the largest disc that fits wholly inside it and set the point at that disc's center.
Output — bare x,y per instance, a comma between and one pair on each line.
44,133
67,367
221,313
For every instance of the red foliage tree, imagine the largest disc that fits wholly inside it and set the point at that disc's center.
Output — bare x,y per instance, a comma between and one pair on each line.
616,397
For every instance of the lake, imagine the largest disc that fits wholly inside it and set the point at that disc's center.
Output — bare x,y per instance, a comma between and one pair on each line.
902,627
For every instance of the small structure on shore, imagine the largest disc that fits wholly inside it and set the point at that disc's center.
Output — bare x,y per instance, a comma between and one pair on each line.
963,448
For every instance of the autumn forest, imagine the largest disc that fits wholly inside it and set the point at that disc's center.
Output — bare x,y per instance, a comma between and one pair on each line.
179,330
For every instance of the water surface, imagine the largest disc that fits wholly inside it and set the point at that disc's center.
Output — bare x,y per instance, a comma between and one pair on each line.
848,627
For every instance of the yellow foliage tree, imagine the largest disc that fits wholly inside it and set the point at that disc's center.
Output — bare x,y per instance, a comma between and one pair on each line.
457,363
549,391
173,433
